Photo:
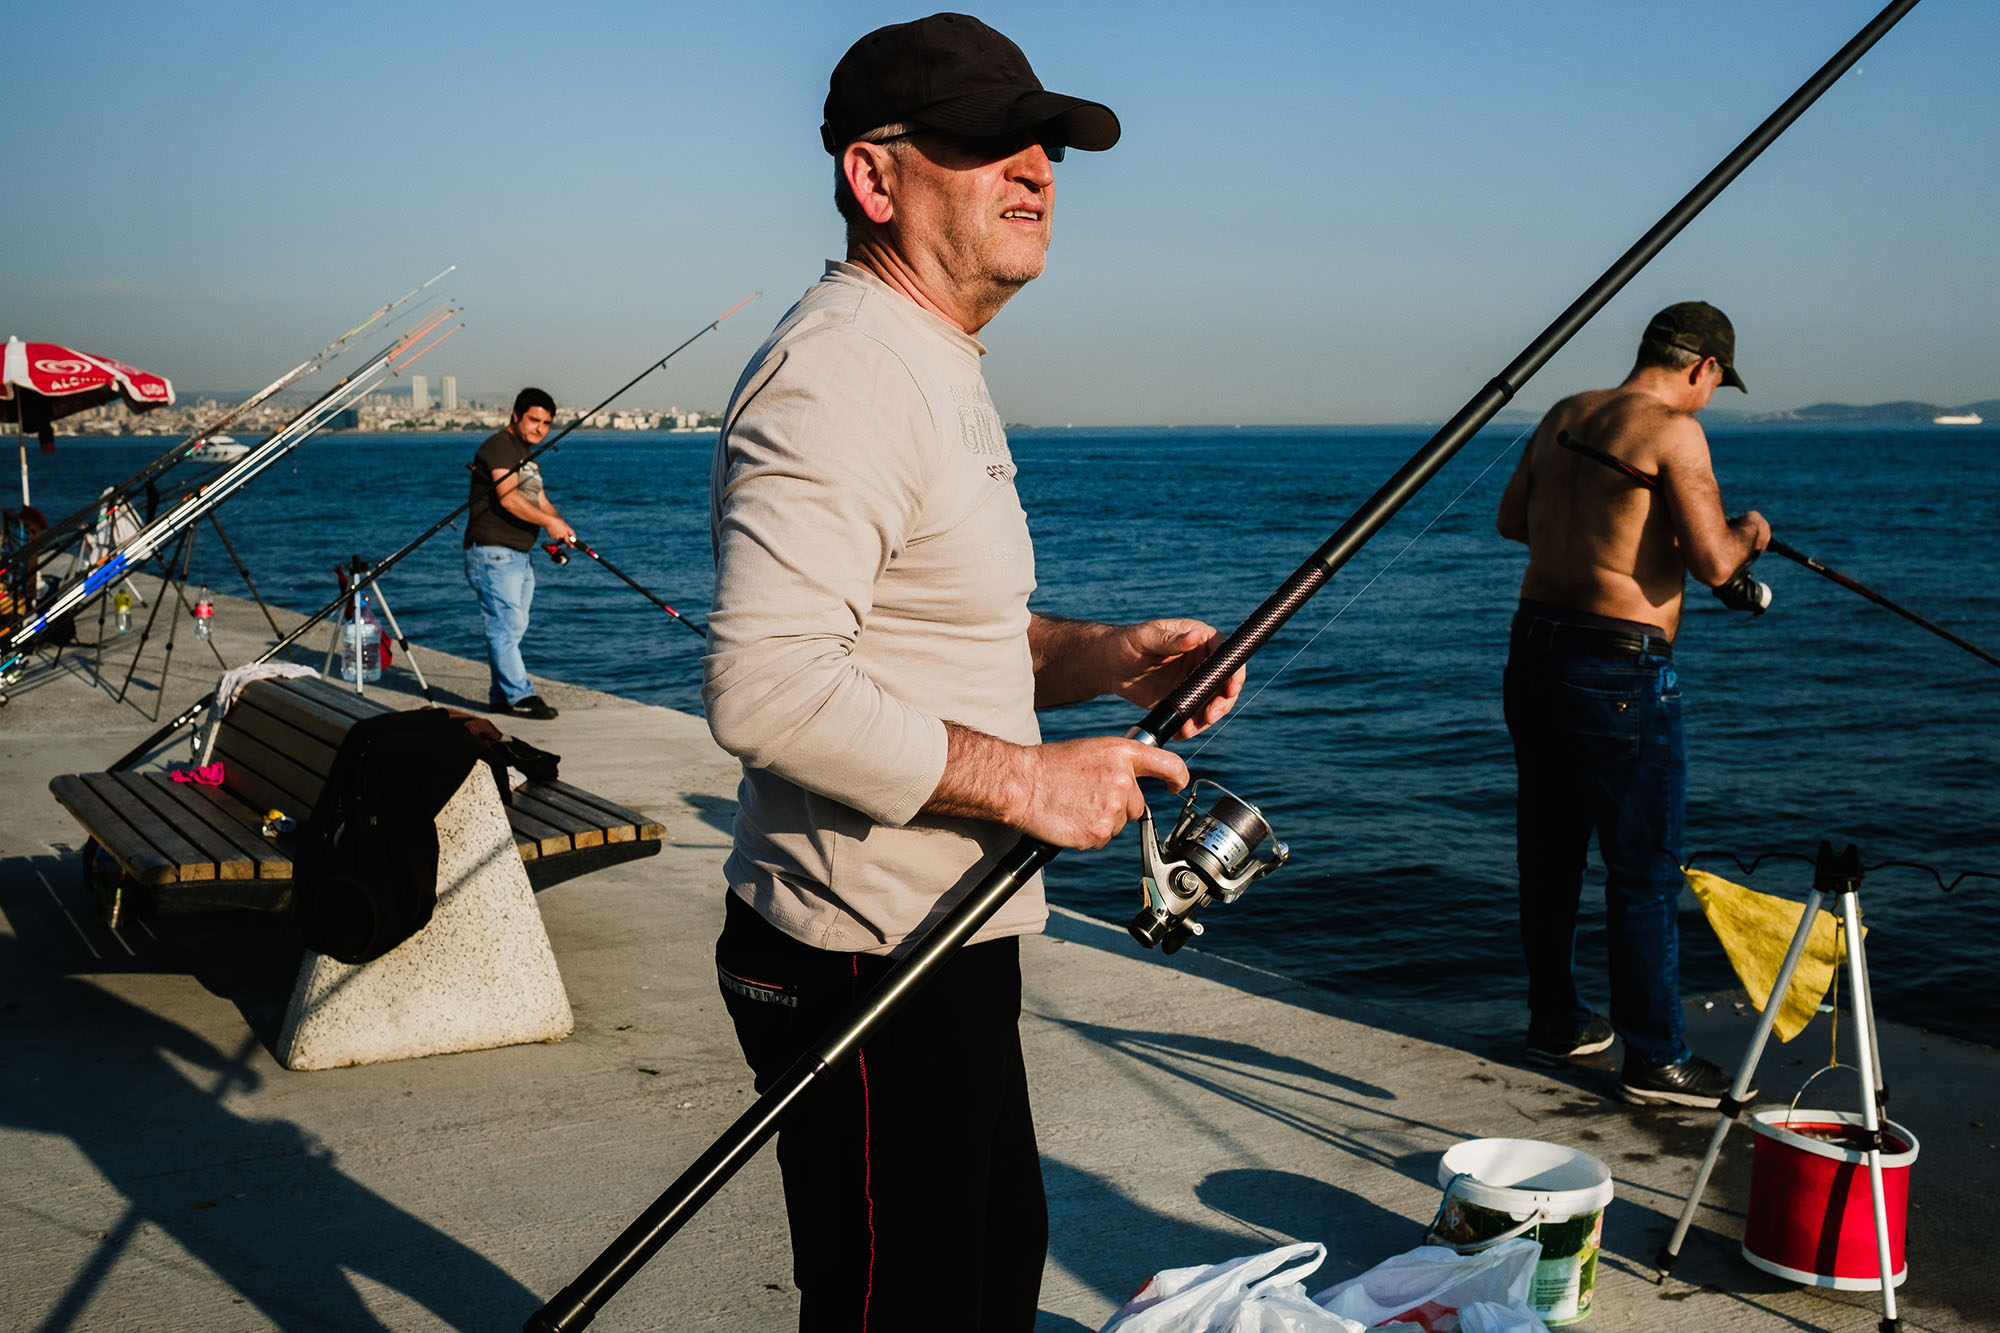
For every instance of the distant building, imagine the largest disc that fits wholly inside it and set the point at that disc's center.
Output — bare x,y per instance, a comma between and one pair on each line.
450,386
420,393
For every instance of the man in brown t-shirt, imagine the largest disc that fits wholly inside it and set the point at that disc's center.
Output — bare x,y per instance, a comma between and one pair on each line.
509,508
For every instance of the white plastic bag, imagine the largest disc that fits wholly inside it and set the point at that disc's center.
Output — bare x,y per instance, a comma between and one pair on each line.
1492,1317
1256,1294
1433,1286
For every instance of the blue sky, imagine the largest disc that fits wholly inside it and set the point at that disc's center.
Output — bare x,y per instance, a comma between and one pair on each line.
1333,212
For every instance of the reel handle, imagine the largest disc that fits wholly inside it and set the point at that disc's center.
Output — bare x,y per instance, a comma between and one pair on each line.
1209,855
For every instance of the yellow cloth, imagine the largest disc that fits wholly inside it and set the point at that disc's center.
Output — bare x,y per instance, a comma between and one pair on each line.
1756,929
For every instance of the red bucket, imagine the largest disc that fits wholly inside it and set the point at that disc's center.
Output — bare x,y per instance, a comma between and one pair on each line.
1812,1211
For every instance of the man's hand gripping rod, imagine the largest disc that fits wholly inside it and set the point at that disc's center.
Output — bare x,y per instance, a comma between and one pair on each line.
1744,593
578,1303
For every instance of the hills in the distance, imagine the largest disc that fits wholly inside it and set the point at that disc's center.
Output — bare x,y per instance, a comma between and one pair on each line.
1903,410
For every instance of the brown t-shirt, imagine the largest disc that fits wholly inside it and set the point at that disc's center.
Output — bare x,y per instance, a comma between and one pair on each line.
487,524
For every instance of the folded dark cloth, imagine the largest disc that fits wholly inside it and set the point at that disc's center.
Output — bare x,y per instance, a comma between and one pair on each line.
502,752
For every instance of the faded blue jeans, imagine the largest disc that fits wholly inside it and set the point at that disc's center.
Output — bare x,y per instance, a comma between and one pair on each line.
1598,747
504,578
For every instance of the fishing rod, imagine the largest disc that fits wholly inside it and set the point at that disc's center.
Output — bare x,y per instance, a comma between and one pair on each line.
91,512
1742,592
201,705
578,1303
561,557
1853,586
205,498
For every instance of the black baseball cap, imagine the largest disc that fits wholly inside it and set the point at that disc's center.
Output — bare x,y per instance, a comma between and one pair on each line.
1698,327
951,72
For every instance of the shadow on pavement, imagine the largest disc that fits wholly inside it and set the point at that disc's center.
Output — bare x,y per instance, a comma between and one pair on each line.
259,1202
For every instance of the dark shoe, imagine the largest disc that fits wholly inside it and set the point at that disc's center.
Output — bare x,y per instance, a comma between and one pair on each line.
532,706
1556,1045
1692,1082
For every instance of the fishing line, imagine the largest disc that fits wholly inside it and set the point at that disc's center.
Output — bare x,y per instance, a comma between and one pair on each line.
578,1303
1734,592
557,554
1214,732
1932,871
91,513
1861,589
192,507
202,705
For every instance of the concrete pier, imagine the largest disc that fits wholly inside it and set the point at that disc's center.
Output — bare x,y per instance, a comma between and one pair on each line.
160,1170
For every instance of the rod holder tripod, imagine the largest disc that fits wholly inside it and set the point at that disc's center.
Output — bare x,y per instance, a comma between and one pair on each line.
359,580
1835,877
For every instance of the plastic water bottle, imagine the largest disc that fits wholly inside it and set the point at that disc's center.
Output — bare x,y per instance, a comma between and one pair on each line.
371,651
204,612
122,603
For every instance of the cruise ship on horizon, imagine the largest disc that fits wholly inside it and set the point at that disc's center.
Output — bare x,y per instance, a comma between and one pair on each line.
1957,419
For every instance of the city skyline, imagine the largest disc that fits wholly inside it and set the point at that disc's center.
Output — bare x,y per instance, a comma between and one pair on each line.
1340,213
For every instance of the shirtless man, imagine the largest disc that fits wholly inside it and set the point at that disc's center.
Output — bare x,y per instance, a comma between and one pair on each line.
1593,702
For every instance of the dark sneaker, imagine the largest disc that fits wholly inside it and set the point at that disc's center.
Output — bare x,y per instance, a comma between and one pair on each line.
1556,1045
533,707
1692,1082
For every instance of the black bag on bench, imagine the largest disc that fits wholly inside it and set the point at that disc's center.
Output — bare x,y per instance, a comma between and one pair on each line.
365,867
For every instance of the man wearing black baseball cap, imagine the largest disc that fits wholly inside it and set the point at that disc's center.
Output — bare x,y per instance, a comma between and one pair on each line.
873,662
1617,502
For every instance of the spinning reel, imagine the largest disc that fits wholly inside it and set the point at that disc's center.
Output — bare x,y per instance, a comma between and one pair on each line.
1210,854
1744,592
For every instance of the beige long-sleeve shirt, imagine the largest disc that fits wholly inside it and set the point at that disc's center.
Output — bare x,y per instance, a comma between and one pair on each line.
873,568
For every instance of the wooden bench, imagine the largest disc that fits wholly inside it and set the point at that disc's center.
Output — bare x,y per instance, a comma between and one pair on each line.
192,848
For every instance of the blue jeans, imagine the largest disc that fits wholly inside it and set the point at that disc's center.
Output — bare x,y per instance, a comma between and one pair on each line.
1598,746
505,581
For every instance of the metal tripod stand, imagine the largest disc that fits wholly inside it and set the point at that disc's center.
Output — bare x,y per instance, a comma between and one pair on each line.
358,579
1838,877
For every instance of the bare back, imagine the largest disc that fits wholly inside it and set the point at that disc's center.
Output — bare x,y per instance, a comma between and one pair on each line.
1598,540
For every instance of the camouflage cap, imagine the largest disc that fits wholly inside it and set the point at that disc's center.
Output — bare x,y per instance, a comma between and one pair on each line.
1698,327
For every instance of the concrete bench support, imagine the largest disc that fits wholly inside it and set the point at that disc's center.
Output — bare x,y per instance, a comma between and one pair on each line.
481,974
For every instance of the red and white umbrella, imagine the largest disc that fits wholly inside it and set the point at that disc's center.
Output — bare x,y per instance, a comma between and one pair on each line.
43,382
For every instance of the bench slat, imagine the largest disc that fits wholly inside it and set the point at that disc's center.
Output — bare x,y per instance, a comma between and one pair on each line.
647,829
231,819
264,777
228,859
611,828
329,695
548,840
123,843
298,748
315,719
191,862
276,747
582,832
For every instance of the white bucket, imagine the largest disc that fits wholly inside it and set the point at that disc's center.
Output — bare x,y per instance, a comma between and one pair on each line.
1496,1189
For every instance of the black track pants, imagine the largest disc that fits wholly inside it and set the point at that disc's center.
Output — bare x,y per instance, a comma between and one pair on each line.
912,1182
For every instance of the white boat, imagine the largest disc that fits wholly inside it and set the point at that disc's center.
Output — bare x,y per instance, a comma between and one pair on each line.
218,449
1957,419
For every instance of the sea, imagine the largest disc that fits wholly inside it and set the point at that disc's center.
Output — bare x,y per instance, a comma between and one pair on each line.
1371,734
